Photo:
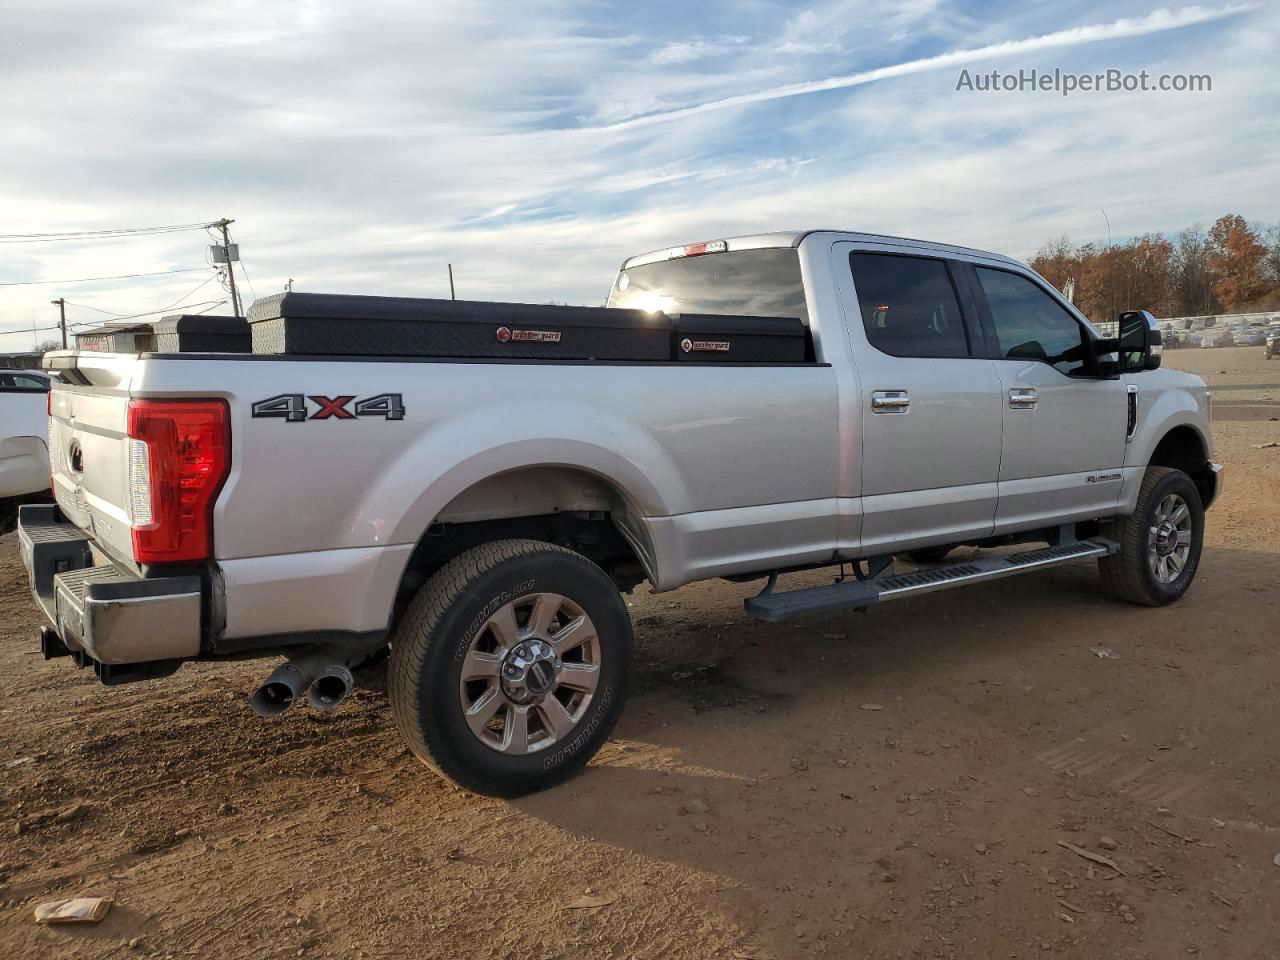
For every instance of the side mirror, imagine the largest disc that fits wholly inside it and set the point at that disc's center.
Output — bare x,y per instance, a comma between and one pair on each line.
1140,342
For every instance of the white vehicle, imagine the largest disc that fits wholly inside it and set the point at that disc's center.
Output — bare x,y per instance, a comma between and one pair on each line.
24,425
480,511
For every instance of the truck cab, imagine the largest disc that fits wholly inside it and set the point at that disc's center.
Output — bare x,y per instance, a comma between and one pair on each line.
983,402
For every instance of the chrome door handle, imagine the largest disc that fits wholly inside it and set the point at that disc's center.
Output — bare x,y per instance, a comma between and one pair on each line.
1023,398
890,401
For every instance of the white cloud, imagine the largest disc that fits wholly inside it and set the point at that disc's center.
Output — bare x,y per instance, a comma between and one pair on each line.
687,51
362,150
1155,22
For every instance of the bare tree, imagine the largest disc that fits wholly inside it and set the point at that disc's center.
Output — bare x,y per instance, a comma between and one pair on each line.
1271,260
1193,277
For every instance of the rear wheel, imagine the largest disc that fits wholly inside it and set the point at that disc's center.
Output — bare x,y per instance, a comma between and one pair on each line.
1160,542
508,669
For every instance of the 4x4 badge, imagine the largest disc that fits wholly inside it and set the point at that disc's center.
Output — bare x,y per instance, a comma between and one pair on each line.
292,407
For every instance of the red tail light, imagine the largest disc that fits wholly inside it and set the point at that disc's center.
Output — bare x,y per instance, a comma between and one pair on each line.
179,456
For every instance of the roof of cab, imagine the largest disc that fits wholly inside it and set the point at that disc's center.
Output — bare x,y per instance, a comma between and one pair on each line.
792,238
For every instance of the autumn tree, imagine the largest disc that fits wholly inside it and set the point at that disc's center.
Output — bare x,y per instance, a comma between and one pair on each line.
1232,266
1237,260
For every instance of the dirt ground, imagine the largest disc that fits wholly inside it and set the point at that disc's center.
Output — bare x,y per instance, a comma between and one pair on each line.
907,782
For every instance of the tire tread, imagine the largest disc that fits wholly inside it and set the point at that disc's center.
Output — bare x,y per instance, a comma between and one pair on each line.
1123,573
418,631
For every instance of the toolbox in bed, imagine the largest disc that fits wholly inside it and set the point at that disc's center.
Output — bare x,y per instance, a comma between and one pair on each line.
335,324
708,338
201,333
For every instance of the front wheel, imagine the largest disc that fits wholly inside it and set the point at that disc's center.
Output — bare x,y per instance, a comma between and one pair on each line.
1160,541
508,669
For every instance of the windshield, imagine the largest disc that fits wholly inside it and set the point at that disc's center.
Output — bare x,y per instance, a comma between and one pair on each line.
752,283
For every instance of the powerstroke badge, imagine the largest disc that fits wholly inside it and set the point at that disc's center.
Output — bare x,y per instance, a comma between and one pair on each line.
697,346
507,335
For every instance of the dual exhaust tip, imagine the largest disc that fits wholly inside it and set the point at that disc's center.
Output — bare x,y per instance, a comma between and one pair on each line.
322,676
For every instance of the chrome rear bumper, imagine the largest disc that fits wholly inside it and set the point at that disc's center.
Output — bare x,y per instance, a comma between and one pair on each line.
104,613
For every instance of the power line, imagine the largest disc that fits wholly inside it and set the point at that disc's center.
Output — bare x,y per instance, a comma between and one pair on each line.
32,330
85,306
121,316
245,271
114,233
206,304
202,283
121,276
152,313
213,307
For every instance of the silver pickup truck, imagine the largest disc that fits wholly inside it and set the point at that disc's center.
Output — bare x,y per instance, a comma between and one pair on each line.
481,514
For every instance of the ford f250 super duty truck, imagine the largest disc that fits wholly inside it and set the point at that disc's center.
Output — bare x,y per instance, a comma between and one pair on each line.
474,484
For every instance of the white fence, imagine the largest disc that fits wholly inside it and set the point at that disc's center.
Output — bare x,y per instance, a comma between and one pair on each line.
1212,330
1214,321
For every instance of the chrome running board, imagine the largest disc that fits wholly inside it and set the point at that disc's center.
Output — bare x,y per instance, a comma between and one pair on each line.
776,607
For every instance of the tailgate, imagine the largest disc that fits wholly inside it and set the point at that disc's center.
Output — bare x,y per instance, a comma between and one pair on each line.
89,449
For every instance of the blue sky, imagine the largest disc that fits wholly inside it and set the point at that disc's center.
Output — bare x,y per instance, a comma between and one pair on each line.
534,145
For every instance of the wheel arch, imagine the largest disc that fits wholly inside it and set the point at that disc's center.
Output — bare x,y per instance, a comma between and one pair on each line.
567,504
1183,447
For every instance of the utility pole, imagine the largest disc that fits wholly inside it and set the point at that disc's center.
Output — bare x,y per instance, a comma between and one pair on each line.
452,295
231,273
1111,308
61,303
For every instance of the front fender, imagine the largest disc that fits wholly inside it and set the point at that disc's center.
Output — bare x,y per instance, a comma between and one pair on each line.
1167,401
1164,407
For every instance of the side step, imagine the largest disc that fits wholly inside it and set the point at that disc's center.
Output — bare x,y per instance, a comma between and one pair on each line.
851,594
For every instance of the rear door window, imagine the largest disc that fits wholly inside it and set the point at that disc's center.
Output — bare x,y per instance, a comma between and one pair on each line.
909,305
